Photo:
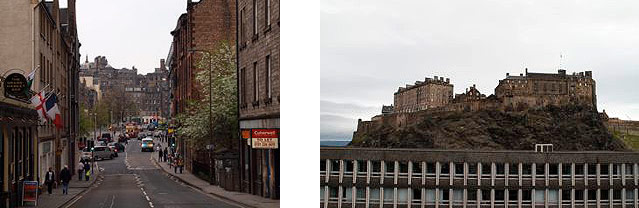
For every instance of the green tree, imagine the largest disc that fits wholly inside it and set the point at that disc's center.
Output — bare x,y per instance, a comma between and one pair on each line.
219,70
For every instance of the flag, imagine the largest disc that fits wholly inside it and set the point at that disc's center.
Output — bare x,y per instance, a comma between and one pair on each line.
31,77
37,102
52,110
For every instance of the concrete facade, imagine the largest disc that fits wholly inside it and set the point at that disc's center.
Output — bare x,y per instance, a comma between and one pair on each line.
366,177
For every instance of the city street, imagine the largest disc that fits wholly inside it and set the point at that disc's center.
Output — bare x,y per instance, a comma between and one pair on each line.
132,180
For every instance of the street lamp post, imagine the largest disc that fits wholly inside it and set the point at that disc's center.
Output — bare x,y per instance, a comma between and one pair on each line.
210,149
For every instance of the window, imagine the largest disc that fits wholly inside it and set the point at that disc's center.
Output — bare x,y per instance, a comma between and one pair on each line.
499,195
347,194
430,196
592,170
553,196
553,169
362,166
349,166
540,169
513,169
268,75
389,167
403,167
565,195
540,196
459,169
255,80
335,165
388,195
458,195
374,194
629,169
630,195
242,31
604,194
267,12
332,192
321,193
242,85
322,165
592,194
402,195
361,194
485,169
616,194
566,169
500,168
417,195
417,168
579,169
579,195
254,17
444,195
526,195
512,195
376,166
430,168
472,168
485,195
444,168
603,169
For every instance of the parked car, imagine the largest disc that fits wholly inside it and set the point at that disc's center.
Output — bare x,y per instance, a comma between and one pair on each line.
147,144
86,154
114,150
106,137
102,152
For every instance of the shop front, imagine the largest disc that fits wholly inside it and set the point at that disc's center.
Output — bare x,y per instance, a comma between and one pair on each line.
260,158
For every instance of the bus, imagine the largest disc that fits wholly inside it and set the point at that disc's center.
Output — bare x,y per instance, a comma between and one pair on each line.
132,130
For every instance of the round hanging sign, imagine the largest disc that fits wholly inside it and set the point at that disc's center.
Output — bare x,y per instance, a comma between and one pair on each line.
16,87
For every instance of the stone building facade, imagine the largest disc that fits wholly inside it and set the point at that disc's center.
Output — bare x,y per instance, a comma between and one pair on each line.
430,93
258,33
471,94
37,35
542,89
205,25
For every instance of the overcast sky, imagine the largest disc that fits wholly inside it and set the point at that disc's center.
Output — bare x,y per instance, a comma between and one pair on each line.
370,48
128,32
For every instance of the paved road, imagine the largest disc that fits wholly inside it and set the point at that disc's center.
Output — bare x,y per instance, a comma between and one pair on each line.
132,180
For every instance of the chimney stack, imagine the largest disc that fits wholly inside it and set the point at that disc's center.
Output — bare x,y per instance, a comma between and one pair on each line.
447,80
162,65
507,74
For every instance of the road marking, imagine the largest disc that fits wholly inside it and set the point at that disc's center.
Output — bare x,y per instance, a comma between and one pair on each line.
112,201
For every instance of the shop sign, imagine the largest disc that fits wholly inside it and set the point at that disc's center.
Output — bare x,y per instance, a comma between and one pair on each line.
30,192
16,87
265,138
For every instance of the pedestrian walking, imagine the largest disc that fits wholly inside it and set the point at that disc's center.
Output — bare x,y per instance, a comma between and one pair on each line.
87,169
175,165
65,177
49,179
80,170
166,153
180,164
160,154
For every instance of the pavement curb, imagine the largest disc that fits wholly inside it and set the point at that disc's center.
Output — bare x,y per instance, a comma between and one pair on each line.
73,199
194,186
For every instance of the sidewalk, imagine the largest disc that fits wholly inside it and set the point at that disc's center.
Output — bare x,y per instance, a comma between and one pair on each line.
247,200
57,199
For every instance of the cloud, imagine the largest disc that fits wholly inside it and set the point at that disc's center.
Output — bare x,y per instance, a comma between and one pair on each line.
370,48
339,120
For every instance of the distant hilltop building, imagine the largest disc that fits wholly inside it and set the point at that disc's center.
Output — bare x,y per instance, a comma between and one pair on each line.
528,90
430,93
542,89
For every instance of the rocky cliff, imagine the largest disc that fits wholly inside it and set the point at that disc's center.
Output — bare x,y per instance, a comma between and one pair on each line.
567,128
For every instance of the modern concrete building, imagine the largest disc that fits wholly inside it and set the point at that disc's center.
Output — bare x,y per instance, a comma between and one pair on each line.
258,31
360,177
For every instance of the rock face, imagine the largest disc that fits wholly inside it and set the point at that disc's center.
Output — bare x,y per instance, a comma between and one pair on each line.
568,128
